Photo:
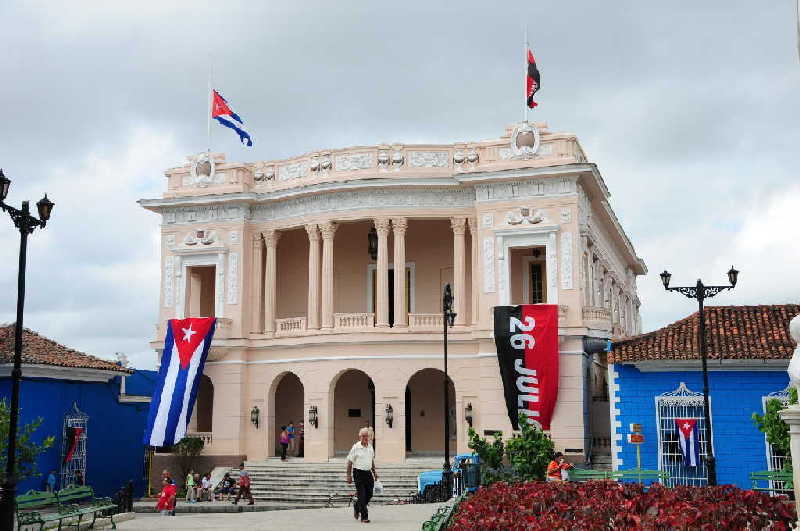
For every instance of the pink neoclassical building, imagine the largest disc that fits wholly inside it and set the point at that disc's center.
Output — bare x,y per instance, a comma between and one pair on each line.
326,273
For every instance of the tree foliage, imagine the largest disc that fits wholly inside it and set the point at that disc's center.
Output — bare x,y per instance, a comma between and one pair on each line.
773,426
187,449
528,453
28,450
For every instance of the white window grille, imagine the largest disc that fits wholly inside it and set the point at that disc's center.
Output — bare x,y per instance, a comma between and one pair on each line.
682,403
73,472
775,461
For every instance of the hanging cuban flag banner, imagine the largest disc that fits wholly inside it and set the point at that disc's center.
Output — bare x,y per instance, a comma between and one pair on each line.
221,111
690,444
532,82
72,436
526,338
185,351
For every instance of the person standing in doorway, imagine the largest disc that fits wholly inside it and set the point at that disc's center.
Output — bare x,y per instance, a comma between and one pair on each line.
284,441
292,442
361,467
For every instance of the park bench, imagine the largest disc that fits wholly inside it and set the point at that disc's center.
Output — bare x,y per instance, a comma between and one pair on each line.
582,474
637,475
72,497
31,505
777,480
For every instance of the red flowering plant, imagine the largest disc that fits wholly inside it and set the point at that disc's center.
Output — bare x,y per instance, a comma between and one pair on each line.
612,505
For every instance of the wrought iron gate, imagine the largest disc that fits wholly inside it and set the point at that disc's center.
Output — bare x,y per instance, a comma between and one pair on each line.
73,471
681,403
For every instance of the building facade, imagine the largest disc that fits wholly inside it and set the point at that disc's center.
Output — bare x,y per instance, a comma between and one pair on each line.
69,389
656,378
326,274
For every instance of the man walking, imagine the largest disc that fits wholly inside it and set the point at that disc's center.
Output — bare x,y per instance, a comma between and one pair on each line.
244,486
361,467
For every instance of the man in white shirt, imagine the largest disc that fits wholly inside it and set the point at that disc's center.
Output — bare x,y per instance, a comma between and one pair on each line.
207,493
361,467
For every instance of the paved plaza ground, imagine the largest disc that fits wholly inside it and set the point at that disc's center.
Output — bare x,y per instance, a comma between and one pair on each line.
386,517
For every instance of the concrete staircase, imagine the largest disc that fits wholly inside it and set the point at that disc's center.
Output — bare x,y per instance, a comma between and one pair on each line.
298,484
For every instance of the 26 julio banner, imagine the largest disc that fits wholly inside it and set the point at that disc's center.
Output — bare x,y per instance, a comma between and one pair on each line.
527,349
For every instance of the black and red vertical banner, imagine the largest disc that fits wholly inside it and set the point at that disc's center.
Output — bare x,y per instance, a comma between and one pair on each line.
73,435
527,349
532,81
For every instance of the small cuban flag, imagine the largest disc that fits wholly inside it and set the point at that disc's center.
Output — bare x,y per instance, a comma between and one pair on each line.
185,350
221,111
690,444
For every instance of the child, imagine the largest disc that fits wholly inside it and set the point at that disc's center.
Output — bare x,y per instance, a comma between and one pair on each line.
557,469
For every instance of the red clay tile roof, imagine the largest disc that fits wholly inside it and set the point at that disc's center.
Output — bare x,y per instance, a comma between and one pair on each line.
732,332
39,350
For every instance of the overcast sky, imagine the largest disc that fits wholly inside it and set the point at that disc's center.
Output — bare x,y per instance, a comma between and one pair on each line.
690,110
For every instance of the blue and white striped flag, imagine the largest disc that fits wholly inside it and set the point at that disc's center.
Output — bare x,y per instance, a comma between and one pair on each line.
185,350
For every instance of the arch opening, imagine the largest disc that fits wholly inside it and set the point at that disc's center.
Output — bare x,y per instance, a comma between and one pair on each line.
424,408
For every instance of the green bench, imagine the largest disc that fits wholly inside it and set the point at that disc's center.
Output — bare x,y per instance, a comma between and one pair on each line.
30,509
578,474
780,480
72,497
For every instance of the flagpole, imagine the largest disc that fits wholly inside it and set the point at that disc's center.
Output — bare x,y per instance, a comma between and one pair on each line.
210,96
525,55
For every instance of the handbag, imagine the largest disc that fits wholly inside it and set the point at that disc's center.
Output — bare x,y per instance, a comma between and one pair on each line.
377,488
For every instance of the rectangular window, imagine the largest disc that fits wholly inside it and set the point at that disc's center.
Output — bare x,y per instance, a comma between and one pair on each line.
536,295
200,295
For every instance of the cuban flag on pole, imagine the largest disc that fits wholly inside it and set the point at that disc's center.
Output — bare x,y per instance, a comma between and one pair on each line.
185,350
690,444
221,111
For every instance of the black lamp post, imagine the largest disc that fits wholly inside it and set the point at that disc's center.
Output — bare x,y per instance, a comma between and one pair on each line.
26,224
449,317
701,292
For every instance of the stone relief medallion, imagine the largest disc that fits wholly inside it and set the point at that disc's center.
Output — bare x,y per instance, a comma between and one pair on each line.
203,170
525,141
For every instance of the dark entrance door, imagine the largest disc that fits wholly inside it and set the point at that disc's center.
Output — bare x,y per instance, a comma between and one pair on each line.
408,419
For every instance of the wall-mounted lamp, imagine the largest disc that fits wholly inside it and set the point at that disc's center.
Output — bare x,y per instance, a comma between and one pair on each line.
254,416
372,243
468,414
313,419
389,415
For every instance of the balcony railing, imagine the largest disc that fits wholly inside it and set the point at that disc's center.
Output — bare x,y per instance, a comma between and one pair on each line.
204,435
425,321
290,326
349,321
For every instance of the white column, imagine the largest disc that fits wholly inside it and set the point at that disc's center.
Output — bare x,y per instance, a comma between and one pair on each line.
328,229
474,275
382,279
399,226
312,318
257,276
459,271
271,238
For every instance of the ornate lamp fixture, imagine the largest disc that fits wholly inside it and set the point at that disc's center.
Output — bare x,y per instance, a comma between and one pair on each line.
254,416
372,243
468,414
313,419
389,413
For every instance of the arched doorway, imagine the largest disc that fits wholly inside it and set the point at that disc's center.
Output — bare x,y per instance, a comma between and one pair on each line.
353,408
288,401
425,413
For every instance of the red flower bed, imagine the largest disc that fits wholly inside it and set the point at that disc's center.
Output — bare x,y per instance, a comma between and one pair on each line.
611,505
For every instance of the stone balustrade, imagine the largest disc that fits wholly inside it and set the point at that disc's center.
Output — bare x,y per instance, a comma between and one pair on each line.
425,321
346,321
592,313
204,435
290,326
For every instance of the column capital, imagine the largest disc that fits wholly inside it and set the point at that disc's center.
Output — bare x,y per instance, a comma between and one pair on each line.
381,225
271,237
328,229
458,225
257,239
313,232
399,225
473,224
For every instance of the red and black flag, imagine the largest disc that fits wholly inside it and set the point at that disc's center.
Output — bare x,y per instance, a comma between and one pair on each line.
532,80
72,436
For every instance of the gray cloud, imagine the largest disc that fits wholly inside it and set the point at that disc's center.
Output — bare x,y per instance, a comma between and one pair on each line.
689,110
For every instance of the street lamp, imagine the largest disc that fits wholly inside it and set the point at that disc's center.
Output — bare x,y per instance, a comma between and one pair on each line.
448,319
701,292
26,224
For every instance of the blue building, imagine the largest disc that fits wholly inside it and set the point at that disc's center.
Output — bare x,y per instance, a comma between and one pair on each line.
99,404
656,377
